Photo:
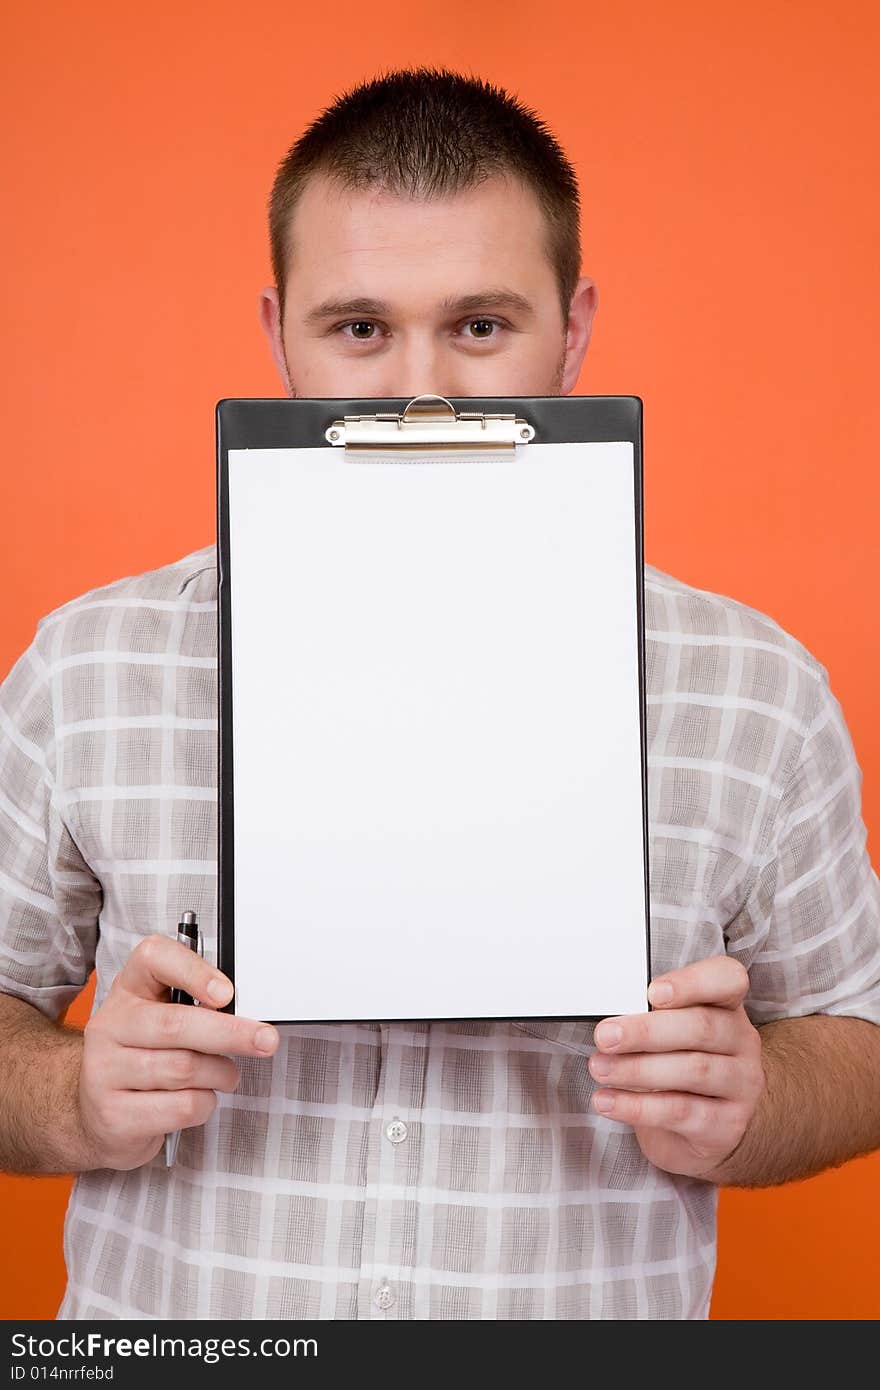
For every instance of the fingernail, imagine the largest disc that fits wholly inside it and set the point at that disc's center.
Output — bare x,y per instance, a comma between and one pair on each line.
660,993
219,990
266,1039
600,1067
603,1102
608,1034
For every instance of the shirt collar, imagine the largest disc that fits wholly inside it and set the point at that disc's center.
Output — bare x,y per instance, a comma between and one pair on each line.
198,563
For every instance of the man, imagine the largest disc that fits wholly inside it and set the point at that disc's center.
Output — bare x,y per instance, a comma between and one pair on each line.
425,239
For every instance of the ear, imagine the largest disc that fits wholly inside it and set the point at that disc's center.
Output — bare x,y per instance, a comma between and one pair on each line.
584,303
270,321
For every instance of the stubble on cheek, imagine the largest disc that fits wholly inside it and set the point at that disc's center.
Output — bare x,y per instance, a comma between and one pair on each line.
560,373
290,380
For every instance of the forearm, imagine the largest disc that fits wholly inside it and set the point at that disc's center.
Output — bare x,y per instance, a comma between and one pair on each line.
821,1104
40,1062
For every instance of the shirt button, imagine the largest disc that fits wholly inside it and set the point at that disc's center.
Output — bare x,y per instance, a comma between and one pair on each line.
384,1297
396,1131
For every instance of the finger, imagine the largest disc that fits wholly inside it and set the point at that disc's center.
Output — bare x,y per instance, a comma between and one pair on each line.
162,1112
698,1073
171,1069
157,964
715,1122
700,1029
196,1030
720,980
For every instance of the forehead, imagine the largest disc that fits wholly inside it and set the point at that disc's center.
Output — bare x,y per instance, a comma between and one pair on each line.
370,242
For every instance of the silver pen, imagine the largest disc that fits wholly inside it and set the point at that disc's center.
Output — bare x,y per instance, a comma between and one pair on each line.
188,934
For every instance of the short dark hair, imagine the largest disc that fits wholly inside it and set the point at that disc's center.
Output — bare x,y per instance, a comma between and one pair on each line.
427,132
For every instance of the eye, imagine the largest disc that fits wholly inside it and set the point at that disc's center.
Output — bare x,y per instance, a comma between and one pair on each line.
482,328
362,329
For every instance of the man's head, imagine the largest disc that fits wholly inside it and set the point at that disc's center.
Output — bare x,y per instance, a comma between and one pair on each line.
425,238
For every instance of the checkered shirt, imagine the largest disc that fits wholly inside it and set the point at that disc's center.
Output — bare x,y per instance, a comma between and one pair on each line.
415,1170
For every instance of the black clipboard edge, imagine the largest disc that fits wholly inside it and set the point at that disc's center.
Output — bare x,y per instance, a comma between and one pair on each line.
268,423
225,771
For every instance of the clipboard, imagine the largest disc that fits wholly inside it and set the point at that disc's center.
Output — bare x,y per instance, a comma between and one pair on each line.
433,753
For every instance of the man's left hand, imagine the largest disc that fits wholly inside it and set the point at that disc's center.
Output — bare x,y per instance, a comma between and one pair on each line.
687,1077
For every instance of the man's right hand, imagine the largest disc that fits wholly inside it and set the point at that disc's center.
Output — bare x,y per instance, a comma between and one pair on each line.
149,1066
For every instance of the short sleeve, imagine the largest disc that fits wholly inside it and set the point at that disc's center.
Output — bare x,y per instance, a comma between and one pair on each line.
809,931
50,900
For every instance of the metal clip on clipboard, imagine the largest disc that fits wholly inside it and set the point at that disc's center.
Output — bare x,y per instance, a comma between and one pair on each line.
429,424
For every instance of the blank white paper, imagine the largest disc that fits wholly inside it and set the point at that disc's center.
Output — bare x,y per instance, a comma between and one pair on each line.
438,806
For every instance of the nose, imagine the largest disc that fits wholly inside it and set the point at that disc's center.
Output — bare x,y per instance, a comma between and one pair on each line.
417,369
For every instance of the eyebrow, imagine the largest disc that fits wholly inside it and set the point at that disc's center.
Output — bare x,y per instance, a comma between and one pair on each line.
461,304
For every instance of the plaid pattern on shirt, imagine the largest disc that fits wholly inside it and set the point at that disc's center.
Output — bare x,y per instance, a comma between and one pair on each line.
414,1170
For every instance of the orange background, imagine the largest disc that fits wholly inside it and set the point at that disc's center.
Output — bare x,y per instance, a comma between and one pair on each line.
727,160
